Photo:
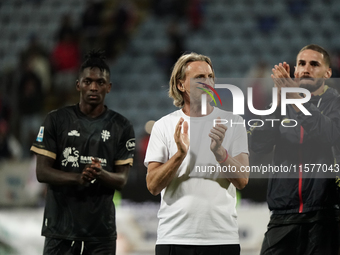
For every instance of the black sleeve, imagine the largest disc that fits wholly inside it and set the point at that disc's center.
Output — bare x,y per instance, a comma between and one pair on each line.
323,127
126,146
46,141
262,135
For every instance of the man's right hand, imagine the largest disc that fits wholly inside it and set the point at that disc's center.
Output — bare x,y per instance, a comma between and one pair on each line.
281,75
86,176
182,139
161,174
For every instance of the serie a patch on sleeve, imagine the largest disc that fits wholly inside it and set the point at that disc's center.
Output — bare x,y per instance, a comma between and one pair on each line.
40,134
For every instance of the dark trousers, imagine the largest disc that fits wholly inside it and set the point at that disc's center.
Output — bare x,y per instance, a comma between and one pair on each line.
165,249
316,238
66,247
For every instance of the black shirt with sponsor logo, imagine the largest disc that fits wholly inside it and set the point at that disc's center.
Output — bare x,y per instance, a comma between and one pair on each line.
72,139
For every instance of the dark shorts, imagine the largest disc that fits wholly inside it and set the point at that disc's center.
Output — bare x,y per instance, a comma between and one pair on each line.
317,238
66,247
165,249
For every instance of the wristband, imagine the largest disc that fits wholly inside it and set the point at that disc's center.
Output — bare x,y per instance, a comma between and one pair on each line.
225,159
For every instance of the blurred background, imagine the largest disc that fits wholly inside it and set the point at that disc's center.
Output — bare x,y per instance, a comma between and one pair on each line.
42,46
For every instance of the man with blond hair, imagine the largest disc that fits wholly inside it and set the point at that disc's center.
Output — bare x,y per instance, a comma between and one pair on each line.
197,213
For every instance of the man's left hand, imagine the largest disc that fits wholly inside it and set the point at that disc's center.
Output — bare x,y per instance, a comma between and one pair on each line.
92,172
217,135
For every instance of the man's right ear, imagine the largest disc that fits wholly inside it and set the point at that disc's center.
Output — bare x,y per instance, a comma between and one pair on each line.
180,86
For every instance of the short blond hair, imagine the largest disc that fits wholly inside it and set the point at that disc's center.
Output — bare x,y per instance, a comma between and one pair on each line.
178,73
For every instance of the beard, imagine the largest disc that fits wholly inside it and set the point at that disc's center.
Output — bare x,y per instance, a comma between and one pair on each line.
311,84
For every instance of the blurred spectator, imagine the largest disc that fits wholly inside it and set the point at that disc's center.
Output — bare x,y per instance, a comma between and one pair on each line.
258,78
36,57
335,64
30,106
10,148
196,14
66,53
4,145
66,27
5,108
123,20
66,58
91,23
176,39
9,145
176,48
34,47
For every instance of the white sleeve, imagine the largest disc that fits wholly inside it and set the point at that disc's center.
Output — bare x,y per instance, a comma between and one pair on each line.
157,150
240,140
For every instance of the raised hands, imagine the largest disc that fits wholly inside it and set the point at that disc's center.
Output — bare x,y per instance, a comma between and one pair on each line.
217,135
281,77
182,139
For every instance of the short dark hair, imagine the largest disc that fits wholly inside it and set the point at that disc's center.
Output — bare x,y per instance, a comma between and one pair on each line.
95,58
318,49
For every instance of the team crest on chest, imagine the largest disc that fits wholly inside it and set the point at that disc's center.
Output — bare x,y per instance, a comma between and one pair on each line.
105,135
71,155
